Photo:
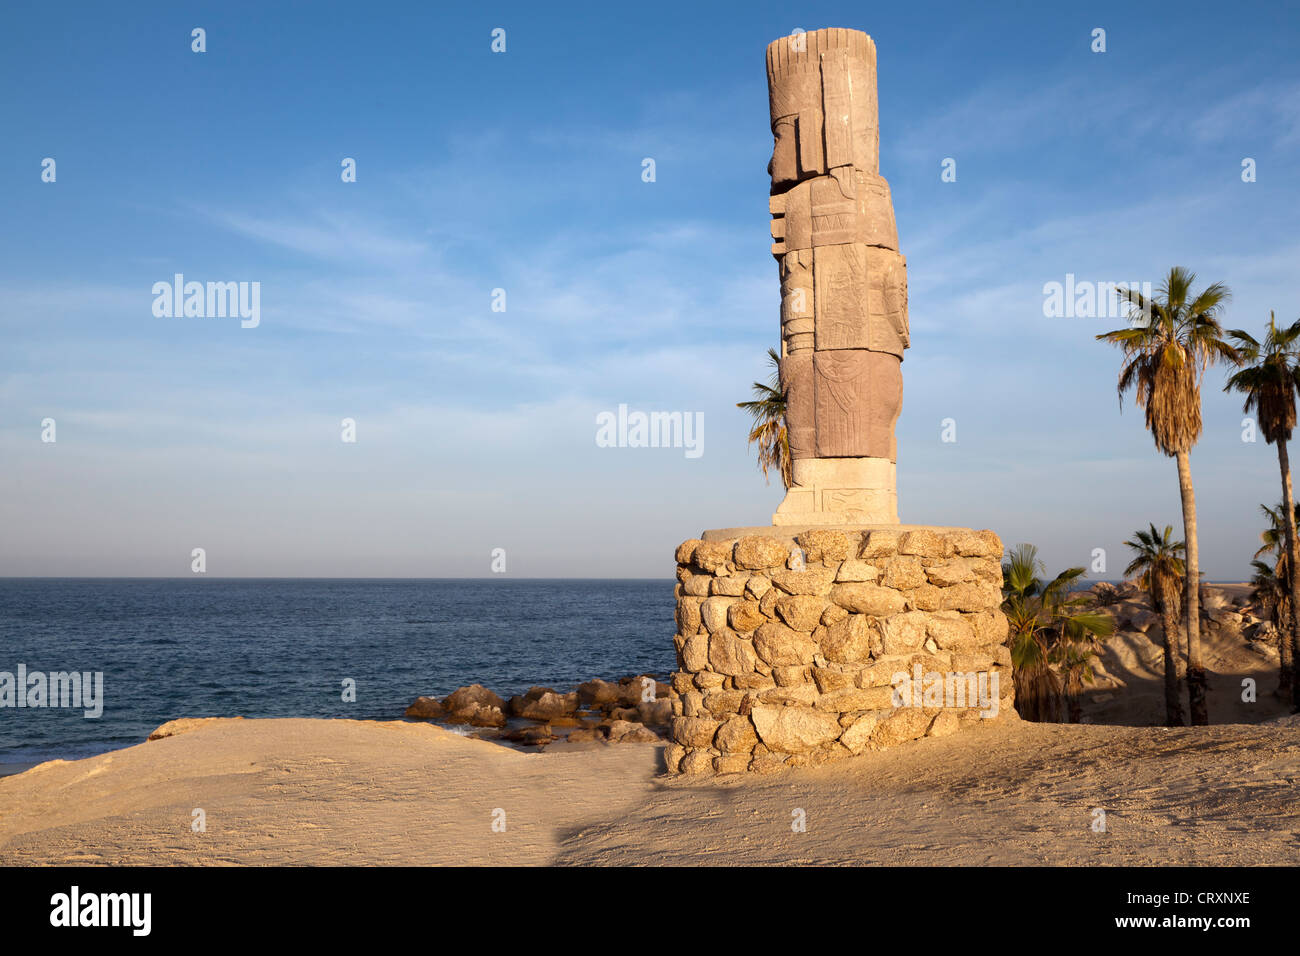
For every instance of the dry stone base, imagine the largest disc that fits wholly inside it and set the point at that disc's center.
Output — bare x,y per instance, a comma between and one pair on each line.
799,646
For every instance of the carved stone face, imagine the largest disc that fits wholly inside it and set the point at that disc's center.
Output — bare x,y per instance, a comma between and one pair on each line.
784,167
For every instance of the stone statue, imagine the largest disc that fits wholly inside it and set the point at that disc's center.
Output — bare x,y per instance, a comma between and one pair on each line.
843,281
789,634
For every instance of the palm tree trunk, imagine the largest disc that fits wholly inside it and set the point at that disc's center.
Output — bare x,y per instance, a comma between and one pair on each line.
1173,653
1289,680
1196,704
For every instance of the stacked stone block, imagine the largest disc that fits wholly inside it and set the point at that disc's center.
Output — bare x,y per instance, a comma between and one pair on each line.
788,646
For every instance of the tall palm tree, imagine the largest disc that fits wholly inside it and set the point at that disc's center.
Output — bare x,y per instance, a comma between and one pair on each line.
1048,626
768,412
1170,342
1158,559
1269,379
1274,543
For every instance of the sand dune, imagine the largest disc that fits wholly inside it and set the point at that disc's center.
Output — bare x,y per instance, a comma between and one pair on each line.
355,792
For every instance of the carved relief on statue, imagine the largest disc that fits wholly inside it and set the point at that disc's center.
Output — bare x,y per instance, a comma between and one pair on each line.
800,414
857,396
861,298
822,102
818,212
852,502
797,302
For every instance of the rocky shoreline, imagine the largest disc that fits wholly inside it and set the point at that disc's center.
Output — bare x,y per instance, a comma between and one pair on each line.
634,709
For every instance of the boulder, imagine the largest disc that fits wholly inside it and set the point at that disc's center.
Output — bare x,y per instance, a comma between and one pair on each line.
952,632
694,731
714,612
686,550
855,571
822,545
697,761
472,695
711,556
950,572
599,693
859,733
794,729
879,544
903,573
802,612
542,703
732,586
695,653
626,732
924,543
780,646
425,708
633,690
976,544
729,654
850,640
756,552
478,715
737,736
1138,619
809,581
656,713
867,598
905,633
906,723
745,616
688,617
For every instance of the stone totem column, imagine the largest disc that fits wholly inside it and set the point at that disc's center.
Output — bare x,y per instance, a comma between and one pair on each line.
843,281
807,640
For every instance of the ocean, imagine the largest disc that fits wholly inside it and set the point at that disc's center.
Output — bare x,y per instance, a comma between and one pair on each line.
206,647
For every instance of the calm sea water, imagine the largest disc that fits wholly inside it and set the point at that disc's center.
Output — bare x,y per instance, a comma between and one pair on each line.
281,648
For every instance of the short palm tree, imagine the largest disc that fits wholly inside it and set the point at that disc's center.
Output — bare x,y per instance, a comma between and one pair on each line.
769,432
1048,626
1158,559
1074,660
1167,347
1269,378
1273,542
1272,597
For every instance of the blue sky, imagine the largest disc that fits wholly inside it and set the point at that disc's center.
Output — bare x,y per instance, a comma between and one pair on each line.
522,171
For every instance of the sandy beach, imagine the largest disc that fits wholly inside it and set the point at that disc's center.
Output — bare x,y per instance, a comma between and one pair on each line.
358,793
